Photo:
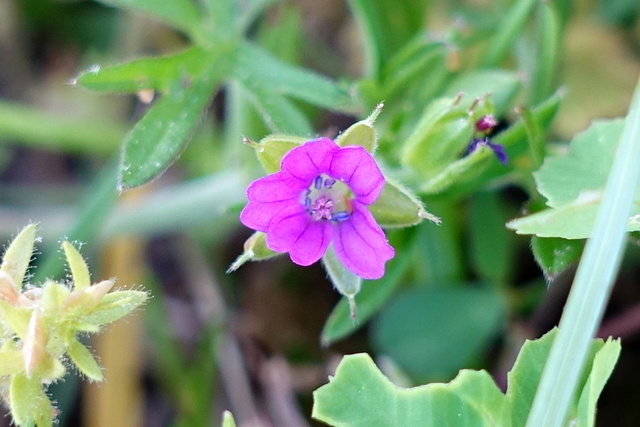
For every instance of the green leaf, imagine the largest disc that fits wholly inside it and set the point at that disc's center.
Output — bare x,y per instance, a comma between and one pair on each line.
555,255
278,112
255,67
114,306
549,51
29,403
18,255
490,242
369,300
360,395
525,376
57,131
84,360
601,368
573,185
158,73
455,324
508,30
181,14
386,27
159,137
79,269
562,178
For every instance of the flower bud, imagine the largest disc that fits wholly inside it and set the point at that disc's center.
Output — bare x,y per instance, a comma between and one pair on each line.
362,133
35,341
271,149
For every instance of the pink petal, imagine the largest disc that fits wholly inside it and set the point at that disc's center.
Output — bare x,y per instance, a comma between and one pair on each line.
310,159
258,215
295,232
275,188
357,168
361,244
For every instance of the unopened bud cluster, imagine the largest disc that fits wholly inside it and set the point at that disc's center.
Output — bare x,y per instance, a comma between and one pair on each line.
39,327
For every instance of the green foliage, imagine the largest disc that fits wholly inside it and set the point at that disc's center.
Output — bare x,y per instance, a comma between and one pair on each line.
40,326
573,185
434,332
360,395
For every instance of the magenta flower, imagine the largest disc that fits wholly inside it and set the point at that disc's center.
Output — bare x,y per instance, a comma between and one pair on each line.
319,197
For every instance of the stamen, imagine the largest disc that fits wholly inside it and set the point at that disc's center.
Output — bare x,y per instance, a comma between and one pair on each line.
340,216
328,183
318,183
307,202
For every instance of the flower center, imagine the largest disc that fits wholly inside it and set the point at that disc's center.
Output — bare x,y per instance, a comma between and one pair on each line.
327,199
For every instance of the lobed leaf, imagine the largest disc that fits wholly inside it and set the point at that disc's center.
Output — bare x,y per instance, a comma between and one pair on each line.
360,395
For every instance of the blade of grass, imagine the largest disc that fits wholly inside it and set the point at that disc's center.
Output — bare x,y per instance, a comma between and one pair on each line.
593,282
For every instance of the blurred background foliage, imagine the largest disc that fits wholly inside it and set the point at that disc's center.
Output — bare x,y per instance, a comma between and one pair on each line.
463,295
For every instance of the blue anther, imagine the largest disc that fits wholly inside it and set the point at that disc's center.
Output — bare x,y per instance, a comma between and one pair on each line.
318,183
340,216
328,183
307,202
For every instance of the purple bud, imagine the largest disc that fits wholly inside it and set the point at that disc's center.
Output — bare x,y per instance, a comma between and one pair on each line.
486,123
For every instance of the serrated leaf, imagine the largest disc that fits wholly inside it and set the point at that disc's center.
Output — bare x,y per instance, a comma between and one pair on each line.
158,73
78,267
84,360
159,137
114,306
360,395
15,261
373,295
254,66
555,255
455,324
181,14
29,404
